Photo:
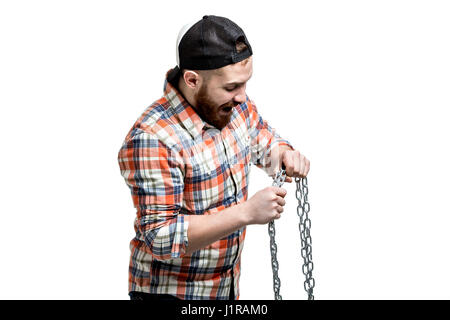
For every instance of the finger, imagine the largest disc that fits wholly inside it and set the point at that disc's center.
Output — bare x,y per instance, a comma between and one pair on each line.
278,210
297,163
281,201
285,162
301,164
280,191
288,179
307,166
289,163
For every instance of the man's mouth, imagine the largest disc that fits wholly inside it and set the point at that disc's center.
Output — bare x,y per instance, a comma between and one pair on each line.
228,108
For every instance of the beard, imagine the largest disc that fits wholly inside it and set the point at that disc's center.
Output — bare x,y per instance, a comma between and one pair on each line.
217,116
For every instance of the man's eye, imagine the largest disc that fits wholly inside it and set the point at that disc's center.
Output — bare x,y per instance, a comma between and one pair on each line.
230,89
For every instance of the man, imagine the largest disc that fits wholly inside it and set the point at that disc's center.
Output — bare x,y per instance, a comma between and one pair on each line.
187,161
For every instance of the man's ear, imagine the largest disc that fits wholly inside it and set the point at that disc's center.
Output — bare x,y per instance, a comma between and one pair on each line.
191,78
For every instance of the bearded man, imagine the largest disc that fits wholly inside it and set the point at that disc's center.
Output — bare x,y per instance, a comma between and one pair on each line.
187,161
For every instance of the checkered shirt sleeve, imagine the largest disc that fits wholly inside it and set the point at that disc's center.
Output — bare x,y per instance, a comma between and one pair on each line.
154,174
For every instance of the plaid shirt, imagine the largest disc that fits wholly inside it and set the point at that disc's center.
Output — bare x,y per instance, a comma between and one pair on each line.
176,165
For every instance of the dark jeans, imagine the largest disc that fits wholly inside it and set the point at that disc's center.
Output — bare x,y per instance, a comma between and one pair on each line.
142,296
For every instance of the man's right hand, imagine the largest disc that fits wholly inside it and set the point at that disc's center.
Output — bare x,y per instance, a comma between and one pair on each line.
265,205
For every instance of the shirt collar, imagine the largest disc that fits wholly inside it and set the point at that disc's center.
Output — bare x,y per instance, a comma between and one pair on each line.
187,115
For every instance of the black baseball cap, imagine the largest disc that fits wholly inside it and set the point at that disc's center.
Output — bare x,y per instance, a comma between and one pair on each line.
208,44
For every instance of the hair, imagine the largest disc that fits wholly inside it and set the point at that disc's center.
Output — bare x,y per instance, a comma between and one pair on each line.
240,45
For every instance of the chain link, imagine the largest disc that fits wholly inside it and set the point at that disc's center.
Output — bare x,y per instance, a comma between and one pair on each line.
304,227
278,181
305,236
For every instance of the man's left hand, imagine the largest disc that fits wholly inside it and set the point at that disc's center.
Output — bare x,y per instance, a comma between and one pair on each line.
296,165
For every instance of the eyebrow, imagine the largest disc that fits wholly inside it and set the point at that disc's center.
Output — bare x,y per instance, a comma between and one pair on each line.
236,83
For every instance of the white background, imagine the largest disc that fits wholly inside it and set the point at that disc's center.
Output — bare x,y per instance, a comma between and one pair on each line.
360,87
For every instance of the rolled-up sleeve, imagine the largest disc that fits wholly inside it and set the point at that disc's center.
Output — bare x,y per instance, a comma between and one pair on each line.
154,174
264,140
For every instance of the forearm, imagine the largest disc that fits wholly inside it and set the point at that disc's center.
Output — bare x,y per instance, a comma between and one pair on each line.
206,229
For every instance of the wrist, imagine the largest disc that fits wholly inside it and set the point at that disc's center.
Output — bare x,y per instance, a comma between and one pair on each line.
244,213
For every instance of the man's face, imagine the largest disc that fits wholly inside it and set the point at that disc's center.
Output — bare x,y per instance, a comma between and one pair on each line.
221,91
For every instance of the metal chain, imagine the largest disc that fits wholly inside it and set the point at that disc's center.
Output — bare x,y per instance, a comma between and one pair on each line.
278,181
305,236
304,227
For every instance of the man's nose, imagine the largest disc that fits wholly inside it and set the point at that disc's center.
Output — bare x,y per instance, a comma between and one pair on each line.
240,96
